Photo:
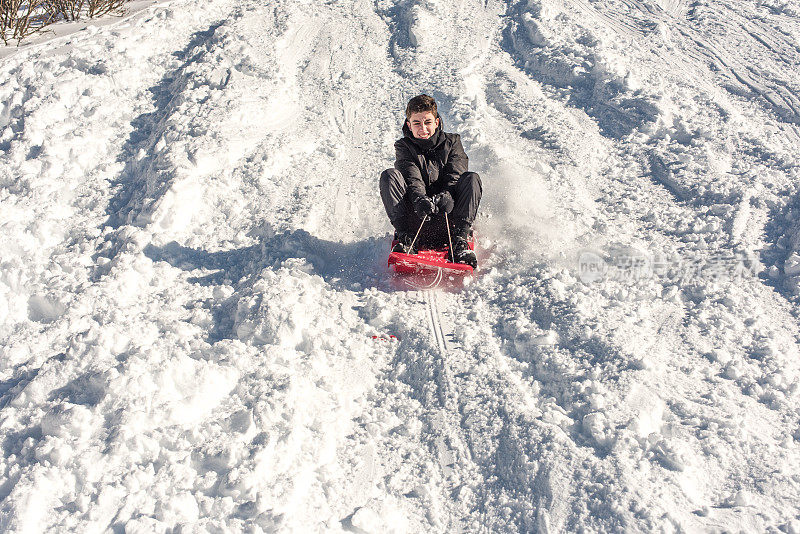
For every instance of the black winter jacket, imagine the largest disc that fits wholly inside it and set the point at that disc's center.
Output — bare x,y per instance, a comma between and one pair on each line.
429,171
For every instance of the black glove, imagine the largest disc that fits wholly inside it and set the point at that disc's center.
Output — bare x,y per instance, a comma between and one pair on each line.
443,202
424,207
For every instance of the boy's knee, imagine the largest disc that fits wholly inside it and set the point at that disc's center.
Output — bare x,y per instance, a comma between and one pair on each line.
471,180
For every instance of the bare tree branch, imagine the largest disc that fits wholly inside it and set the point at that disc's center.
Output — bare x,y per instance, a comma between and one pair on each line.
22,18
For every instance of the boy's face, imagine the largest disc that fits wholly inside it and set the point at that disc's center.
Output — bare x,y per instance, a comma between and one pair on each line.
423,124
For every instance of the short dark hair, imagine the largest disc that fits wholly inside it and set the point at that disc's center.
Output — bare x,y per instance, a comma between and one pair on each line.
421,103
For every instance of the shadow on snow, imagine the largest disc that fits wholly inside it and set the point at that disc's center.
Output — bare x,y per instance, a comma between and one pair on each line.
618,110
344,266
139,153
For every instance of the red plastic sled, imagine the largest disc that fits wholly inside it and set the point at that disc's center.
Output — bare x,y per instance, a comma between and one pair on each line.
430,266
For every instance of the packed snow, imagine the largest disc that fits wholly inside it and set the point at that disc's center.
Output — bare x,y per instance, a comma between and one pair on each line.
199,332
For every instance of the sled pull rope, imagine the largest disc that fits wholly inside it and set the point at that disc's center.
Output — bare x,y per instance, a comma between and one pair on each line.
418,231
449,239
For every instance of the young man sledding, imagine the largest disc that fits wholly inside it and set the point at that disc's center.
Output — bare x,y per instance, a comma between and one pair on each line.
430,186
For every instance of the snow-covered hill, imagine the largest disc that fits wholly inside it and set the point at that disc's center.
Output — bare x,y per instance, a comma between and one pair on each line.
198,332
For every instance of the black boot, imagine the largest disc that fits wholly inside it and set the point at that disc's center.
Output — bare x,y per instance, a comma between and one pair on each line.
462,253
462,231
403,244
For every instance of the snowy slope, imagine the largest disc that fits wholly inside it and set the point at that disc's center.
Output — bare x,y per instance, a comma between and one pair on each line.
196,319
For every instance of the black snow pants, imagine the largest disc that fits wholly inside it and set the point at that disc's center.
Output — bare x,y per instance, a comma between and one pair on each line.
466,193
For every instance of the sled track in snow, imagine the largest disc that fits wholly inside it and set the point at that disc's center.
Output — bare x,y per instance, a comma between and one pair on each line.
446,437
444,375
435,320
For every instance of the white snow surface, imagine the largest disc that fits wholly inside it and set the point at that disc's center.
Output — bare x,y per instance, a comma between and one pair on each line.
198,331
